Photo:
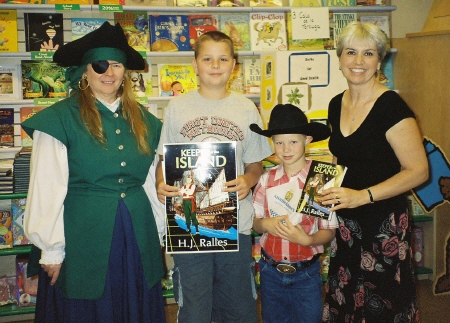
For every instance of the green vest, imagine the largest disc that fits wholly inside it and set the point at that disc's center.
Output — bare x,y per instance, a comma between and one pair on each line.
99,177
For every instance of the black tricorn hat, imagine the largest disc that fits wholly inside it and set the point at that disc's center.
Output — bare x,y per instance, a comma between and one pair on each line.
71,54
288,119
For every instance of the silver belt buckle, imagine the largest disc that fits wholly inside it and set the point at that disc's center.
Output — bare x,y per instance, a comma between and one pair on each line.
286,269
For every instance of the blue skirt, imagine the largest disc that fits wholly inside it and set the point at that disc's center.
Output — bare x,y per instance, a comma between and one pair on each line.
126,297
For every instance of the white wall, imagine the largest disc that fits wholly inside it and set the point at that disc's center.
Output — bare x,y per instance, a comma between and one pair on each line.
409,17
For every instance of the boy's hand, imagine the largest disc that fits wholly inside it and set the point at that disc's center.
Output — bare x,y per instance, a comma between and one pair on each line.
240,185
293,233
163,190
269,225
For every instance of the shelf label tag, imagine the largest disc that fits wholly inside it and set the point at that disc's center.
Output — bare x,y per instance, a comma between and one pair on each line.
42,56
44,101
67,7
110,8
310,23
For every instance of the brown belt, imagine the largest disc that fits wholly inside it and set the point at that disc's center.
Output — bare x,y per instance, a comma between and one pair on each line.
288,267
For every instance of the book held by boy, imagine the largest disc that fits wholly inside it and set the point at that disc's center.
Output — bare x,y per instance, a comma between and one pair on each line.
321,176
203,218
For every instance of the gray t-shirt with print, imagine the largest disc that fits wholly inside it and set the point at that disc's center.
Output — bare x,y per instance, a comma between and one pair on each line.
193,118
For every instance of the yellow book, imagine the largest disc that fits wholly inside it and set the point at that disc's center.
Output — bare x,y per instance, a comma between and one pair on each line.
8,31
68,2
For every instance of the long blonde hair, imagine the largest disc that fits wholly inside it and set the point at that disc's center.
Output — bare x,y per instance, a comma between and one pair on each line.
132,113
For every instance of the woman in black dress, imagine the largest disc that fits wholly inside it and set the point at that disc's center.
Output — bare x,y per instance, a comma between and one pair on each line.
374,134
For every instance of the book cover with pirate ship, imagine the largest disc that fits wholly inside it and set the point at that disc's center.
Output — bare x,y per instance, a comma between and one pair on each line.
268,31
203,218
321,176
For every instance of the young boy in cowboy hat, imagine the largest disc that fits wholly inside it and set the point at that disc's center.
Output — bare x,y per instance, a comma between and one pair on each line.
291,286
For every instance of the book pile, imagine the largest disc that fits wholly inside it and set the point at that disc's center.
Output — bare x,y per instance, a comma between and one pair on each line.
22,170
6,181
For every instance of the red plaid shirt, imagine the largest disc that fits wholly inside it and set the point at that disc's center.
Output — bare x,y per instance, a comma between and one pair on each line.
278,248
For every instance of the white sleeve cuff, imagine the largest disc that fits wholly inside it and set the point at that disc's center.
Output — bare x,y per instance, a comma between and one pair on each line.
52,257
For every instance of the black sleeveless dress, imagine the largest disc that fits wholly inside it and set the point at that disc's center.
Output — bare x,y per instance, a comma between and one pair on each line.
371,278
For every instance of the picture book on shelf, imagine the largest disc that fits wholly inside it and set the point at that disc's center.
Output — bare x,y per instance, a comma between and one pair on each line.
176,79
226,3
26,286
43,31
169,33
204,218
6,127
8,31
268,31
266,3
237,27
386,72
10,85
190,3
83,26
252,75
381,22
135,25
141,80
43,79
340,21
200,24
339,3
26,113
236,81
150,3
305,3
321,176
82,2
17,211
6,239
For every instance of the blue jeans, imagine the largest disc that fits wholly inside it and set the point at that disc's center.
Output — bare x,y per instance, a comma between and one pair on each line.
216,287
291,298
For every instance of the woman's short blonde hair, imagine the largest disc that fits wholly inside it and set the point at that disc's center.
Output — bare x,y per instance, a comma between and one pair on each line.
358,31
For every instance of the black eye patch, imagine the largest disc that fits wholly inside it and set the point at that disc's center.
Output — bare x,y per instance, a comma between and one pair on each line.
100,67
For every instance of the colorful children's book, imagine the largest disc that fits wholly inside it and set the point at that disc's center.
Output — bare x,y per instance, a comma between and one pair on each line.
381,22
141,81
43,31
205,218
8,31
252,75
340,21
302,44
81,2
339,3
83,26
149,3
236,81
176,79
386,72
169,33
43,79
6,127
237,26
190,3
135,25
6,238
266,3
268,31
200,24
26,286
226,3
10,85
26,113
305,3
18,210
321,176
24,1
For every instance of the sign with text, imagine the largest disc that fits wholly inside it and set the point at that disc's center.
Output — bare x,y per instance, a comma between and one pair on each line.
310,67
310,23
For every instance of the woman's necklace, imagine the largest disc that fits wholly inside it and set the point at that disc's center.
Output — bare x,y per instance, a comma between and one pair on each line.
358,108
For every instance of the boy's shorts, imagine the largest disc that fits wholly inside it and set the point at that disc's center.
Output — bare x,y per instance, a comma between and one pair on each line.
218,287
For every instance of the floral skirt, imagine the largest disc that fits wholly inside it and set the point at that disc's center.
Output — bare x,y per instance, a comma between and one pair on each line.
371,278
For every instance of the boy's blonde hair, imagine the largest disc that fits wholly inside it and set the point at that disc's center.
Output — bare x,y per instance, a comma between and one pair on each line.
216,36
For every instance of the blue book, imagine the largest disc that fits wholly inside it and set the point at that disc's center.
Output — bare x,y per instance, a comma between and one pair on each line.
83,26
386,73
169,33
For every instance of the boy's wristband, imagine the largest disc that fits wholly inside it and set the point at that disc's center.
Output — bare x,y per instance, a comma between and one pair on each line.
370,196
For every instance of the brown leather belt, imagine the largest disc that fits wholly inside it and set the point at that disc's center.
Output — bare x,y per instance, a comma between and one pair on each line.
288,267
